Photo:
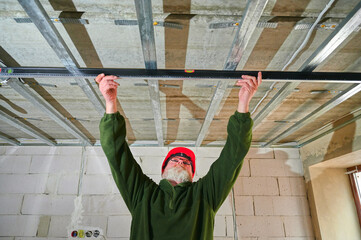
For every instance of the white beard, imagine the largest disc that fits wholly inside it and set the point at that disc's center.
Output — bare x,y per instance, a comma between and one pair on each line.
177,174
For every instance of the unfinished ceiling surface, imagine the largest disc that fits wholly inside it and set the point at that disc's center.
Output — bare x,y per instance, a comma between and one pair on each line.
259,35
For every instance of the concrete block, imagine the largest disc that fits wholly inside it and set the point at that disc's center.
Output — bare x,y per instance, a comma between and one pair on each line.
48,205
113,186
70,151
68,184
14,164
94,151
97,184
208,152
149,151
260,153
294,167
223,238
203,165
294,186
18,225
59,226
226,208
257,226
31,150
33,183
281,206
263,206
10,203
55,164
38,238
97,165
245,172
2,150
43,227
259,186
276,167
230,226
244,205
151,165
286,153
112,204
286,238
52,184
119,226
219,226
298,226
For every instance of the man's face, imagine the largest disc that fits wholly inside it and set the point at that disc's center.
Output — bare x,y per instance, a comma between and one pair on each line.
178,166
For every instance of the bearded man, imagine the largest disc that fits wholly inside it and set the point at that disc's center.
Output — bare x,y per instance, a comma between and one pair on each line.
177,208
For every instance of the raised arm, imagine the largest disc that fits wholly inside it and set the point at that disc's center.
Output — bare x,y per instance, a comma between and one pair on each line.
126,172
224,172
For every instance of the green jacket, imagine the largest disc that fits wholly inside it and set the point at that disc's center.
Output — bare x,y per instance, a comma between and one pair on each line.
187,210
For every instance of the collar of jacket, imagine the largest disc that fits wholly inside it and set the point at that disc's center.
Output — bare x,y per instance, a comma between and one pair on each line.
167,187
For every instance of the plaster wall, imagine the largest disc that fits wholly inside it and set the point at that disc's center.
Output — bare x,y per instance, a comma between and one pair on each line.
328,188
39,185
334,202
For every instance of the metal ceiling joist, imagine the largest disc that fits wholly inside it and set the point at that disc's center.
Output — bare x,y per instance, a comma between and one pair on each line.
334,40
44,24
303,143
146,30
248,24
11,141
343,96
21,126
171,74
18,86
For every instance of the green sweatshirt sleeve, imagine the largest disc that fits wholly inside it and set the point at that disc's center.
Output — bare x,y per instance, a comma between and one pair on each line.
126,172
224,171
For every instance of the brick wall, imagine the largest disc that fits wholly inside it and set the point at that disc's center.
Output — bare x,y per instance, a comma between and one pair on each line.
38,186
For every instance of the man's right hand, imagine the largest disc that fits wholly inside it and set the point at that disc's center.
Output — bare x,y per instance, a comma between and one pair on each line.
108,87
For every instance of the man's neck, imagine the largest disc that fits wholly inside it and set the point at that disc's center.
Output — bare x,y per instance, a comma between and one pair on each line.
173,183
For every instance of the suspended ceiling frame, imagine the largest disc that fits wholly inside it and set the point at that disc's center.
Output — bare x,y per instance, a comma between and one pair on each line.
251,16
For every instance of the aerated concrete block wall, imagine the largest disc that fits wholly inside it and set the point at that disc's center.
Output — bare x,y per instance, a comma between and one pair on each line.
38,186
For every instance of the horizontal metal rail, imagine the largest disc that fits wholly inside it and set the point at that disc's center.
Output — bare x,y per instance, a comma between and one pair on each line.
169,74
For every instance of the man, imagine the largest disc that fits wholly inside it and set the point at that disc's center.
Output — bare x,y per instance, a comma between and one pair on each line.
177,208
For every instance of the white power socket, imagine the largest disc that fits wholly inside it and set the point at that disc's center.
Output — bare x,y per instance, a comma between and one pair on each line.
86,232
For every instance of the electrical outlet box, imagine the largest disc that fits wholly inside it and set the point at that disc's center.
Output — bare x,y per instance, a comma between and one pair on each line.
86,232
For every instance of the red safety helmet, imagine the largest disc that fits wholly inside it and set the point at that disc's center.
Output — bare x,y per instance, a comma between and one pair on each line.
177,152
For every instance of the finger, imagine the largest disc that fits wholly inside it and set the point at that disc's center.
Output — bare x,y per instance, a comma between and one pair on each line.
251,81
110,77
113,84
99,77
246,86
259,78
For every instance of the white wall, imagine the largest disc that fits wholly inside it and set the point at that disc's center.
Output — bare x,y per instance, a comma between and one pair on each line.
38,186
335,206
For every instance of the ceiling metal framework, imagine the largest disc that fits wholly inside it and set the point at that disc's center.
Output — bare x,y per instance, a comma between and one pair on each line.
252,14
245,30
146,30
42,21
340,34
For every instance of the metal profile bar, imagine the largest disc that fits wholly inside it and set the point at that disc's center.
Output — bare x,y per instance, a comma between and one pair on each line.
42,21
248,24
146,30
170,74
349,92
334,40
48,109
329,131
11,141
21,126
